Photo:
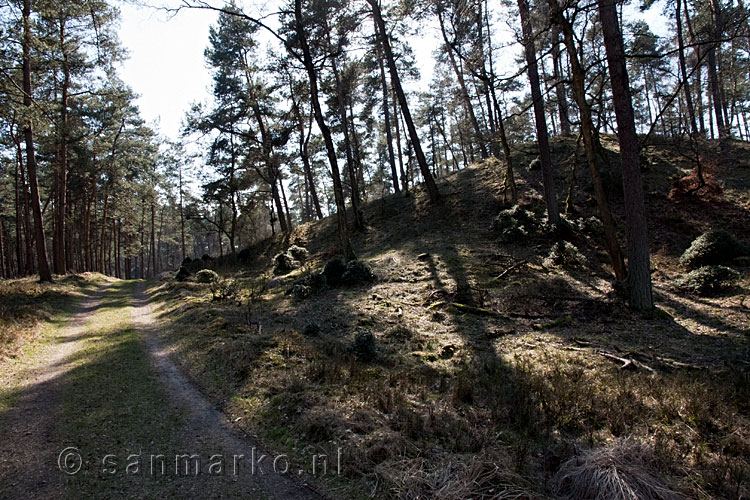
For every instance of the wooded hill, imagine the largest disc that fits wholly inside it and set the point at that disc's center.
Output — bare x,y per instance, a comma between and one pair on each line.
324,119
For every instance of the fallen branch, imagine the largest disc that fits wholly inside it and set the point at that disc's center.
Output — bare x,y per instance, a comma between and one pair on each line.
509,270
479,311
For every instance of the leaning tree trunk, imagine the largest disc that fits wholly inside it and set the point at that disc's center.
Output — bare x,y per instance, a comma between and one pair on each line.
550,200
396,81
338,192
387,119
590,146
41,242
639,275
449,48
359,223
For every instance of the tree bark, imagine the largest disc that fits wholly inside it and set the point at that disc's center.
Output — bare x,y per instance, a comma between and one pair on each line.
346,246
550,199
402,171
639,275
353,184
41,242
396,82
450,48
303,151
58,240
387,119
589,142
152,268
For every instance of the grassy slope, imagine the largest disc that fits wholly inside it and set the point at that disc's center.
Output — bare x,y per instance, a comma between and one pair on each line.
31,315
470,404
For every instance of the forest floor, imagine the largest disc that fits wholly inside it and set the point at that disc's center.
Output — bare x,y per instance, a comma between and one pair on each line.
496,370
494,367
93,408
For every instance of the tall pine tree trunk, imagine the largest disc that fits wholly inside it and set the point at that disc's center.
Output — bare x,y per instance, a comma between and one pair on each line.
550,199
639,272
382,33
387,119
450,48
41,241
589,141
346,245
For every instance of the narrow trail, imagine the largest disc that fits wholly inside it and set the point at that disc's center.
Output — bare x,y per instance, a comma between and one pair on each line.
105,385
209,425
27,460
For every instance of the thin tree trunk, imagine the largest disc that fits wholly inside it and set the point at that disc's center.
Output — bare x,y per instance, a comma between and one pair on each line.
4,273
182,218
683,71
58,240
550,199
152,268
387,119
639,275
346,245
713,72
303,151
402,171
41,242
396,81
450,48
587,131
353,184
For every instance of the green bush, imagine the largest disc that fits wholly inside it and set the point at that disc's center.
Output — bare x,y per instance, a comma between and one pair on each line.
284,263
206,276
364,346
564,254
514,224
712,247
357,272
708,280
307,286
224,289
593,225
298,253
300,291
183,274
334,270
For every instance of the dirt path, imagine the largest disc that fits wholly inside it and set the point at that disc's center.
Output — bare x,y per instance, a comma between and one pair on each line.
105,388
28,458
209,425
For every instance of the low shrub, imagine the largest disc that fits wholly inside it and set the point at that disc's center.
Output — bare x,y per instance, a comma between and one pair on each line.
222,290
284,263
298,253
708,280
364,346
712,247
182,274
357,272
334,271
514,224
206,276
564,254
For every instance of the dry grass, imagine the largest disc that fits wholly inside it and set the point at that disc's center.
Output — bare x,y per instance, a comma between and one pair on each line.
493,369
24,303
618,472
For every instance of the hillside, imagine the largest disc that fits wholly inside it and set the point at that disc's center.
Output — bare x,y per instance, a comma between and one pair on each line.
479,368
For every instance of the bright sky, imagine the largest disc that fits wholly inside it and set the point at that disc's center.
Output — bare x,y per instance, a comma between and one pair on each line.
166,65
167,68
